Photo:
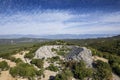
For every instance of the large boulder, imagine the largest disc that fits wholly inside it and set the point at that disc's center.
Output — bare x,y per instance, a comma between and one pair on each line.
80,53
76,53
46,52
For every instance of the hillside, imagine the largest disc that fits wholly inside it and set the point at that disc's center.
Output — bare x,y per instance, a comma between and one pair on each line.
62,60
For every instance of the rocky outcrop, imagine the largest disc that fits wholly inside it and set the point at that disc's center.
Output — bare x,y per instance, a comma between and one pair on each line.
76,53
46,52
82,53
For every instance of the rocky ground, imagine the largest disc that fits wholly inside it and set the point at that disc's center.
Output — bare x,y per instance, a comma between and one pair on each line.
21,55
76,53
46,52
5,74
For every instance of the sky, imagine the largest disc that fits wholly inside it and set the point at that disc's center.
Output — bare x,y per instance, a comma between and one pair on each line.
45,17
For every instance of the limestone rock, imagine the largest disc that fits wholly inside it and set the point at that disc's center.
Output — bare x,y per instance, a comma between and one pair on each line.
46,52
82,53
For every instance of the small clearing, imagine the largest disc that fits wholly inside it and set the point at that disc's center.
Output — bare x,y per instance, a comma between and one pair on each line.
10,63
6,76
21,55
46,64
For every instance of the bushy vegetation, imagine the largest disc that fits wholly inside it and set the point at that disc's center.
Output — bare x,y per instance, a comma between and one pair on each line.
31,53
37,62
54,59
102,71
112,47
18,60
109,50
11,58
23,70
114,61
79,69
6,50
4,66
66,74
96,52
53,68
53,50
40,72
63,51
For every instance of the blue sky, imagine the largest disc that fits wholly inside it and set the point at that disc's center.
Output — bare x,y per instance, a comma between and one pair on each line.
41,17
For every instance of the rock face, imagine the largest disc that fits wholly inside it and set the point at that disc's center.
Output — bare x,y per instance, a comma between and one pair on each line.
46,52
82,53
77,53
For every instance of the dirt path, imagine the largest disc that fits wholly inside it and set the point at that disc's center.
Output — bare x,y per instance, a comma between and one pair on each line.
99,58
46,64
6,76
21,55
10,63
115,77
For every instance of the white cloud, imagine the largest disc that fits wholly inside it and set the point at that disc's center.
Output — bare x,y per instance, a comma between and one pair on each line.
59,22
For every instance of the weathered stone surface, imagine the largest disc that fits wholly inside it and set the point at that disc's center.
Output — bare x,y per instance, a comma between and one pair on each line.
77,53
46,52
82,53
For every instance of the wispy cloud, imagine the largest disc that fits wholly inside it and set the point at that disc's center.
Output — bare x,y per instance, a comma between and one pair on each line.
60,22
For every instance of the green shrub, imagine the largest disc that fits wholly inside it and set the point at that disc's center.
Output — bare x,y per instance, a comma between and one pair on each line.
29,55
62,53
103,71
53,68
80,71
12,58
37,62
53,50
18,60
64,75
40,72
4,65
23,70
114,62
60,77
53,59
96,52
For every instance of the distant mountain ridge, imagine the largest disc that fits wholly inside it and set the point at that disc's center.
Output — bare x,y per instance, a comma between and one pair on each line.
58,36
24,39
